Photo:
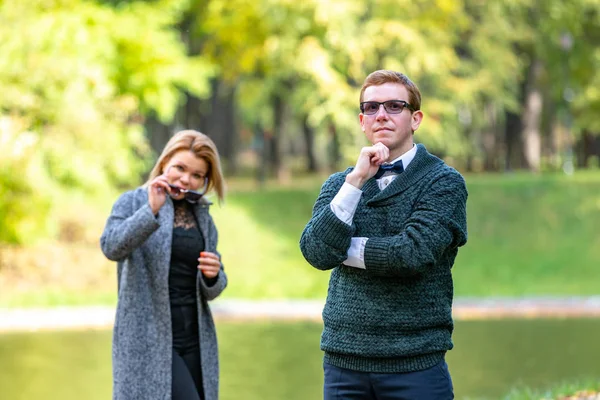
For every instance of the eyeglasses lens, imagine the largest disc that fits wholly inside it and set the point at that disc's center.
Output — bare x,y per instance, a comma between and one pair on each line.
390,106
192,196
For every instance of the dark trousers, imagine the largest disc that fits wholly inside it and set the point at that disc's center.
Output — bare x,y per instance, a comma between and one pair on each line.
187,377
430,384
186,368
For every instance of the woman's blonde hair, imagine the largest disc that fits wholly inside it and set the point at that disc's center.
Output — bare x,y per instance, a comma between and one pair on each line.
203,147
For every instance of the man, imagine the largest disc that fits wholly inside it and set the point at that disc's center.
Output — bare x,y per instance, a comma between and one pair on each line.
389,229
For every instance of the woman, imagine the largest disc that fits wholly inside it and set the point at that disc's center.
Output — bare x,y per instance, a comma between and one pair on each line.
165,244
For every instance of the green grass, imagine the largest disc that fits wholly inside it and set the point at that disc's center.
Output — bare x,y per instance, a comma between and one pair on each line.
531,235
258,237
528,235
560,391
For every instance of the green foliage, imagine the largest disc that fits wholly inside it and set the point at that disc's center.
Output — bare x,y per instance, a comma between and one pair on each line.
22,205
564,38
75,86
78,77
470,59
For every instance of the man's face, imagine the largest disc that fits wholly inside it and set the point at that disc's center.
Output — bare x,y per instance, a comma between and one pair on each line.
393,130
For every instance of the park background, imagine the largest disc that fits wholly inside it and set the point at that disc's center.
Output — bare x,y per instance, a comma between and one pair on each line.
90,91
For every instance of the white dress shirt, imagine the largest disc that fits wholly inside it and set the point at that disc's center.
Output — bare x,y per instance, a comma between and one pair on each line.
344,206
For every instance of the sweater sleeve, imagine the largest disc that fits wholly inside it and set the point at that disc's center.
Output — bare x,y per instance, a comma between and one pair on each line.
325,240
127,228
211,288
438,222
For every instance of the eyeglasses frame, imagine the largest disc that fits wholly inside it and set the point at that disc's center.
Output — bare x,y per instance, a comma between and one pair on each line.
380,103
193,193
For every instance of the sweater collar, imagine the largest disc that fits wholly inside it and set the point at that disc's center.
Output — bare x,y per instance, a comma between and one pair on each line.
423,163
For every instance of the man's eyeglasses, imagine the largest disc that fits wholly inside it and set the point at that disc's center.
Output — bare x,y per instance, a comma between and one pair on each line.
390,106
190,195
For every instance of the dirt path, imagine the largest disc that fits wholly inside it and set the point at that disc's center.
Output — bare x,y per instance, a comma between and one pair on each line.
102,317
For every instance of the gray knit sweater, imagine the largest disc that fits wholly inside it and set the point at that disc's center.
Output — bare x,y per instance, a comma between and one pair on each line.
142,336
395,315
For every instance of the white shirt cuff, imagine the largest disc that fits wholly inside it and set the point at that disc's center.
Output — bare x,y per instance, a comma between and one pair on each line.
356,253
345,202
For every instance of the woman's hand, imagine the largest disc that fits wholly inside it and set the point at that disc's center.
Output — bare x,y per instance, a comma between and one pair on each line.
157,193
209,263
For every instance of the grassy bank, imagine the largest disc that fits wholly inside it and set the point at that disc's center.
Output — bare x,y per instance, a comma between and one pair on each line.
587,390
528,235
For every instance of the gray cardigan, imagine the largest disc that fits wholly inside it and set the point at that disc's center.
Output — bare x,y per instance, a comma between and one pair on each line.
142,338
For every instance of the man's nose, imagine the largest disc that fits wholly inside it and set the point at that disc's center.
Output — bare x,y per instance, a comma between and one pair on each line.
381,113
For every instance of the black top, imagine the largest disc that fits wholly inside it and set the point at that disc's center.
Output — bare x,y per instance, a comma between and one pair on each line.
185,251
186,248
187,244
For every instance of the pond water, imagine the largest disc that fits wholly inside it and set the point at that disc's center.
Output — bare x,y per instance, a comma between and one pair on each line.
264,361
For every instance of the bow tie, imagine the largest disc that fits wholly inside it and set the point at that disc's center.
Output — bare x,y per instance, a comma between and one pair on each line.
396,167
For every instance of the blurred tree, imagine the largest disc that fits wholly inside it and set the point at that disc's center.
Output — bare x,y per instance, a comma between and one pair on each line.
311,58
75,87
294,70
487,86
415,37
550,74
255,44
228,34
499,88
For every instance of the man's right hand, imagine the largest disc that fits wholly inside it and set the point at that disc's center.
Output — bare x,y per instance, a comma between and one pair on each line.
367,165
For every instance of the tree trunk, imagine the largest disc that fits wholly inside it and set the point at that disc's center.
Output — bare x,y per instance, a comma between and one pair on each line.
262,150
512,142
158,133
469,162
216,117
309,143
588,146
550,145
275,148
491,139
532,138
193,113
334,148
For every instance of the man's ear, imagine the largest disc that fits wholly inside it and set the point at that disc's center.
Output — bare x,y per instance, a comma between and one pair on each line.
361,118
416,119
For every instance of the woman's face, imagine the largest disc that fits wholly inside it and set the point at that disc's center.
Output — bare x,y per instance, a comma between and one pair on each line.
186,171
